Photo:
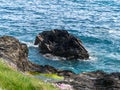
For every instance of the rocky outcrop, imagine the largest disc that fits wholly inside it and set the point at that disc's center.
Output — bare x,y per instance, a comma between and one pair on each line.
97,80
15,52
61,43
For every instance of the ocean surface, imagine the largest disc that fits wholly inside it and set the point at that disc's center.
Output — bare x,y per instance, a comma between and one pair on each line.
95,22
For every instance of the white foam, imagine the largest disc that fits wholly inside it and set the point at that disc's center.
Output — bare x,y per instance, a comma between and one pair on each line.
93,58
52,57
56,58
30,44
114,32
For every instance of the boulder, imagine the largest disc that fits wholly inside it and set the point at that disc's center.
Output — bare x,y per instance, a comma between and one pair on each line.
14,51
61,43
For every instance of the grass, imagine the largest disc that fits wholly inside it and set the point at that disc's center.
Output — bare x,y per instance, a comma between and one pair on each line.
11,79
53,76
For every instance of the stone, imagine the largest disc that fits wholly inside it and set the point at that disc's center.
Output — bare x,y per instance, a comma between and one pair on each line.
97,80
61,43
14,51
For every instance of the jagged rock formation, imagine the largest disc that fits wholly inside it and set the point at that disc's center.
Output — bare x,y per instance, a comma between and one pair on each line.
61,43
17,53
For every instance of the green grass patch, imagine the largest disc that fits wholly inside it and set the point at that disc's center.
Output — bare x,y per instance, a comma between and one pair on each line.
54,76
11,79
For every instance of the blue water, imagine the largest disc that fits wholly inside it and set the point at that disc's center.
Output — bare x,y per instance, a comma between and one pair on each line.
95,22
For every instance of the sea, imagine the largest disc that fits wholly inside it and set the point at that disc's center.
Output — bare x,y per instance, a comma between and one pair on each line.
95,22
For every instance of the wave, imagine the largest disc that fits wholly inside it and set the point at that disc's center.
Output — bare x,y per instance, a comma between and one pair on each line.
115,33
115,56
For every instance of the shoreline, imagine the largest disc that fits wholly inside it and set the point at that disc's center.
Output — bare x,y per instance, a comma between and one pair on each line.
17,53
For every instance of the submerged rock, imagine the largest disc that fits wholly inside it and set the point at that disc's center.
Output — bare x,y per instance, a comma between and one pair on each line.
61,43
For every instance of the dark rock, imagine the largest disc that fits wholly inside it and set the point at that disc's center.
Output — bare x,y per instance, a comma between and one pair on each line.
116,75
61,43
14,51
97,80
104,82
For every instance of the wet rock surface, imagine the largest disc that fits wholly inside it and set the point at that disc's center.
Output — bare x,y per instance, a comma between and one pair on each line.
15,52
61,43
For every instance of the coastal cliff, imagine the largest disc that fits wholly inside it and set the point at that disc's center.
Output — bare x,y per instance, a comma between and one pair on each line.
16,54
